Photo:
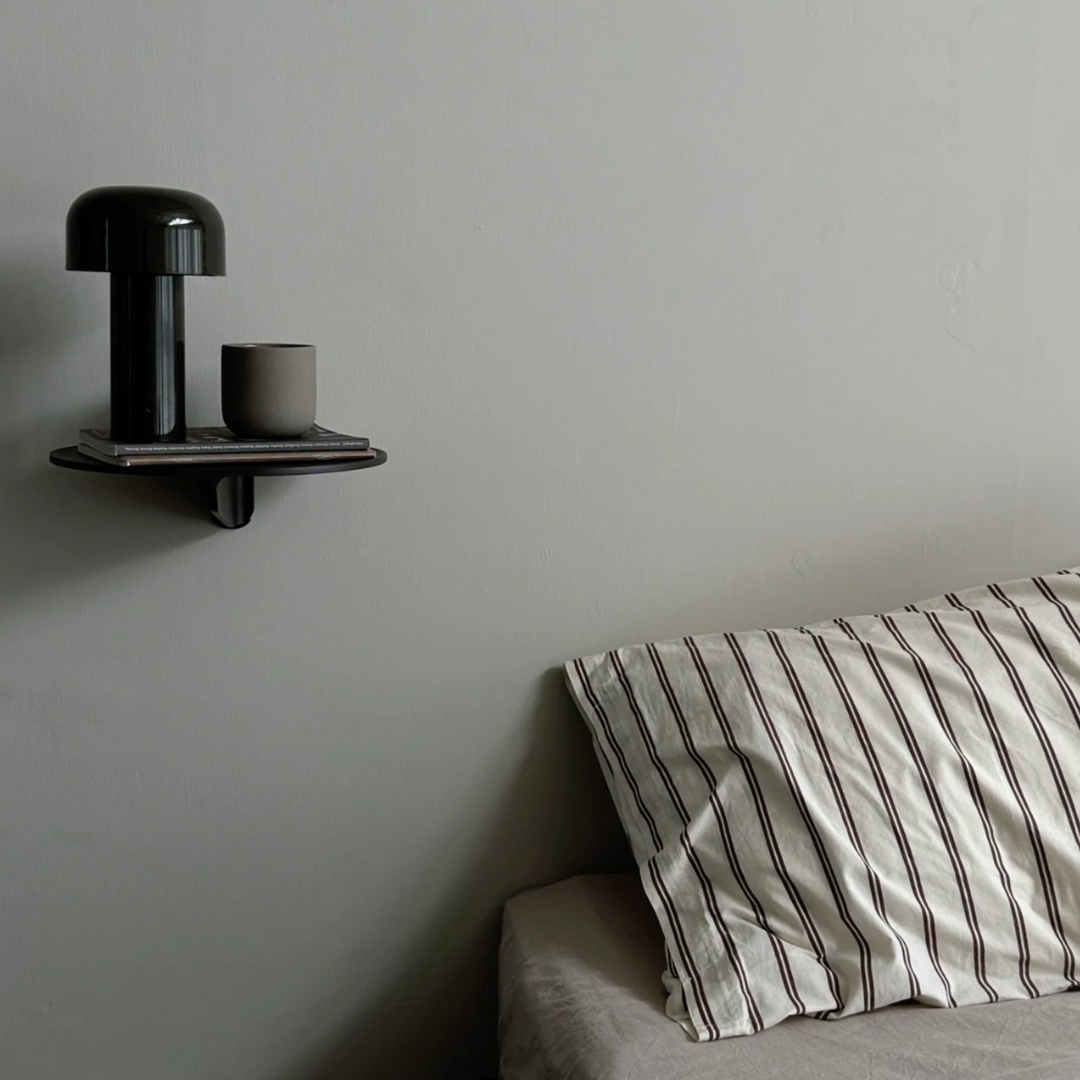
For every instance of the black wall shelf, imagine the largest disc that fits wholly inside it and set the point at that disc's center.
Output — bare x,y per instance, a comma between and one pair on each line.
231,487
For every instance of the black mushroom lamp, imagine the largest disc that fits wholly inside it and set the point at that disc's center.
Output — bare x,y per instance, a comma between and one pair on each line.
147,240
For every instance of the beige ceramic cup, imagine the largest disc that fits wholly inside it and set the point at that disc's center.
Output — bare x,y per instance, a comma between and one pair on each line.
268,389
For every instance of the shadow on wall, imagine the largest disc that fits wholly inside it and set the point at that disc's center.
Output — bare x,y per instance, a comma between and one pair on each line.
436,1018
58,526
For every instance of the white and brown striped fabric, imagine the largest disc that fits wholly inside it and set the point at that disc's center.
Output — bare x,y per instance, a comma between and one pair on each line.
837,817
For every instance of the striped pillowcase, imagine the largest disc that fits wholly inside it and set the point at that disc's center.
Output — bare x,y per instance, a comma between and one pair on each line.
833,818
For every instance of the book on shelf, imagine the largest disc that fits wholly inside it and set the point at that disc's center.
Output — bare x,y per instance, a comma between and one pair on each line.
220,440
248,457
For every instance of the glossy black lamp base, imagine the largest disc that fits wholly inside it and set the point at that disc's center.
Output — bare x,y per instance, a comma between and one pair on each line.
147,362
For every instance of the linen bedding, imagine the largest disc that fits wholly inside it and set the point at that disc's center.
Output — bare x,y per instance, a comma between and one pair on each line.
834,818
580,998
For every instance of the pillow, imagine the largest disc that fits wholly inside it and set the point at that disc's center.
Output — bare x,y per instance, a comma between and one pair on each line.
837,817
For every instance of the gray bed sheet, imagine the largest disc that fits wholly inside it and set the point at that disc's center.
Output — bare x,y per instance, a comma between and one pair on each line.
581,998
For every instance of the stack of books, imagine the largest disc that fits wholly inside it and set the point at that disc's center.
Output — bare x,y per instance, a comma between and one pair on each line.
218,445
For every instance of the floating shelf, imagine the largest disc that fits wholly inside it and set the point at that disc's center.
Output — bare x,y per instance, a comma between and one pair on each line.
232,485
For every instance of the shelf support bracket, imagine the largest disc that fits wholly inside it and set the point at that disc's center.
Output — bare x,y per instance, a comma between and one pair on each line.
233,501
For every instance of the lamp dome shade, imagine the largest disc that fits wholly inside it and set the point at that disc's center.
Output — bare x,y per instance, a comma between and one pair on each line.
144,230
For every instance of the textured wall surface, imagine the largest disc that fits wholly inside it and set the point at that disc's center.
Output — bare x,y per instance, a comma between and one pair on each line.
673,317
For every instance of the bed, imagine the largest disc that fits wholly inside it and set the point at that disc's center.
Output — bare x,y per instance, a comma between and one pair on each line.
858,851
580,998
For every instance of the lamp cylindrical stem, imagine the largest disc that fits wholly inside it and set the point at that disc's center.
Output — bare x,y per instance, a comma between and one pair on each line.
147,393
